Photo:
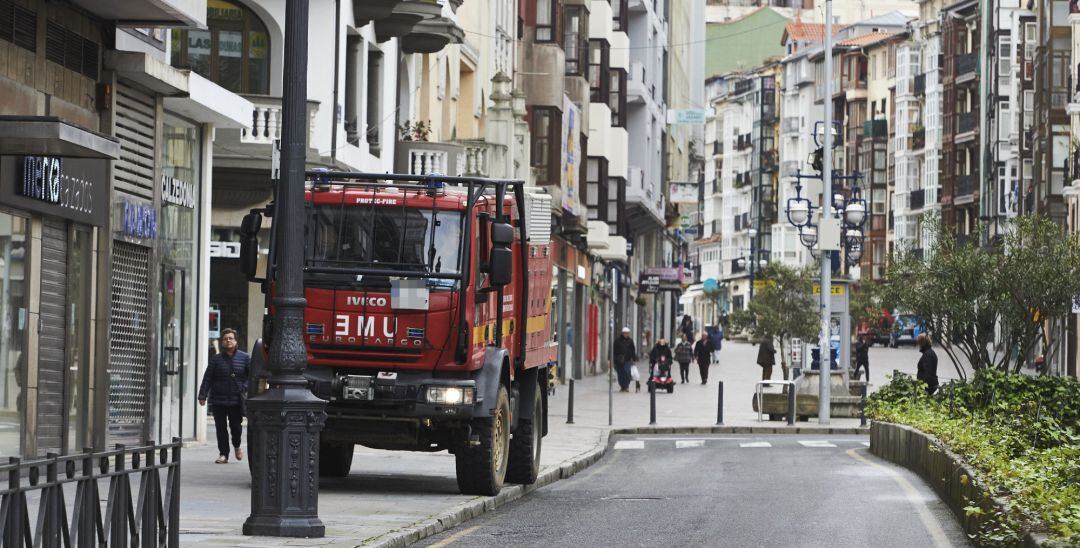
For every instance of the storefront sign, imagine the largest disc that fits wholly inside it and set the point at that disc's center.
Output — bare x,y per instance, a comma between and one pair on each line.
665,274
225,250
649,284
175,191
71,188
137,220
683,193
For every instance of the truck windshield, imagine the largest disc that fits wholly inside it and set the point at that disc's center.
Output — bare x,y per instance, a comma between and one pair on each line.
393,238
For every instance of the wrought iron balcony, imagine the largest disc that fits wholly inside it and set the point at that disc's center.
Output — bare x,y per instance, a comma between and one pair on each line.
917,199
967,64
966,121
918,138
965,186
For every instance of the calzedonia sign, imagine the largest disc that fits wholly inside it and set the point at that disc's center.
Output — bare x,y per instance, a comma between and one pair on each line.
71,188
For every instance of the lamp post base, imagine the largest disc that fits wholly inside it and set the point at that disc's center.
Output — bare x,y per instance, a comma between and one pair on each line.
283,445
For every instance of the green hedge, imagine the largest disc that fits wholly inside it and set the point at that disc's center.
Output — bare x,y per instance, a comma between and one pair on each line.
1018,432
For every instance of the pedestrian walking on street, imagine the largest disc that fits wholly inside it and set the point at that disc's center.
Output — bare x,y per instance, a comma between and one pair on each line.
686,327
623,354
716,337
927,372
224,385
684,354
862,355
766,357
703,350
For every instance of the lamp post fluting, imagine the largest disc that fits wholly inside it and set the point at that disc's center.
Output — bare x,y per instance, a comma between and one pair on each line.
286,420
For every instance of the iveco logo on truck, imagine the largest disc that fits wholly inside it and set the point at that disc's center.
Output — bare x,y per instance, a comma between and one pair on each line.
353,300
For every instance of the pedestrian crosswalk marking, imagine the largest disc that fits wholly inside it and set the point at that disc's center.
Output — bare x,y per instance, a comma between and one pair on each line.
755,444
816,443
630,444
682,444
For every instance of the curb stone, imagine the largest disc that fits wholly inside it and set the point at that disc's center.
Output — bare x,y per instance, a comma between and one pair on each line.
477,507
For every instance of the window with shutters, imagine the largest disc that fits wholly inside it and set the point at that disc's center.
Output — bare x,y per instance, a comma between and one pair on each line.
71,50
18,25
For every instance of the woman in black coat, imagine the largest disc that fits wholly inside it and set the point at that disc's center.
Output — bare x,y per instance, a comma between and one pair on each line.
927,372
703,350
766,357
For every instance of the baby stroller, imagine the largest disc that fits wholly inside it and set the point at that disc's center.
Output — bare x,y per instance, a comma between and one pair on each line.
660,376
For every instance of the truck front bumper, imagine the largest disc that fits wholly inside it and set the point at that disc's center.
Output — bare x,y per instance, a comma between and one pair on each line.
403,394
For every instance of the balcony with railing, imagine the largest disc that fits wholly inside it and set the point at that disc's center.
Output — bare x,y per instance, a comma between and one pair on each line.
920,84
251,147
743,86
876,129
476,158
966,122
644,200
967,66
964,187
637,88
918,138
917,199
790,125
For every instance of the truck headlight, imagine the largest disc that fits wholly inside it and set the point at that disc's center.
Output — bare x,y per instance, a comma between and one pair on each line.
450,395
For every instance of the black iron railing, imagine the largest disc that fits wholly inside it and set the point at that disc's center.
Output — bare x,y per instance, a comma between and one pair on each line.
966,122
965,185
152,518
966,63
918,199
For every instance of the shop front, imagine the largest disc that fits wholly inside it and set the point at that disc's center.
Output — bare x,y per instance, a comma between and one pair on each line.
51,210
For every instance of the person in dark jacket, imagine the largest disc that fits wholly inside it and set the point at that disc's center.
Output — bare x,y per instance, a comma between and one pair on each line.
927,365
623,355
703,350
661,348
225,385
766,357
684,354
686,327
862,355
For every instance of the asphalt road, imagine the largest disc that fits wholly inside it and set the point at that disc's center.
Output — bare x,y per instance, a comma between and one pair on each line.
782,490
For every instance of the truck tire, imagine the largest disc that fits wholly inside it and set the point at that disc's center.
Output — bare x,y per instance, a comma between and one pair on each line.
524,463
335,460
481,468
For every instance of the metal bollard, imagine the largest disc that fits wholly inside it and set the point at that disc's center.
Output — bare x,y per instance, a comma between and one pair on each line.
791,405
720,404
570,403
652,403
862,405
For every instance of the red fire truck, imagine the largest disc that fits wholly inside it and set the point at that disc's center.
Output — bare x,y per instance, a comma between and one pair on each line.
426,323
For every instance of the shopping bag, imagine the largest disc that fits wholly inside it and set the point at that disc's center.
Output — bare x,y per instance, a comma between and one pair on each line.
634,373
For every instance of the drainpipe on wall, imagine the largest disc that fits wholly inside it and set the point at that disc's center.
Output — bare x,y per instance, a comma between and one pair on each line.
337,75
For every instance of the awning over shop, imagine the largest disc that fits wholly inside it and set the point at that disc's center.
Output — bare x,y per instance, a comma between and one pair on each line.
691,294
51,136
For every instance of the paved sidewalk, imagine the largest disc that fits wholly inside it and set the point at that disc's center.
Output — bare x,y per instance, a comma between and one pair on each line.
393,497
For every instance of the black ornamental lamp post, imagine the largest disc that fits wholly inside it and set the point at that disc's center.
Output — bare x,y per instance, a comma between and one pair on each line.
285,420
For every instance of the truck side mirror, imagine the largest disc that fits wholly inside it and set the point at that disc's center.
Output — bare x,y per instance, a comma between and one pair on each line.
249,244
501,258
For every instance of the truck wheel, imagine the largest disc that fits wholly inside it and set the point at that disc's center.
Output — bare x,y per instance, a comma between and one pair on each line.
335,460
481,469
524,463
